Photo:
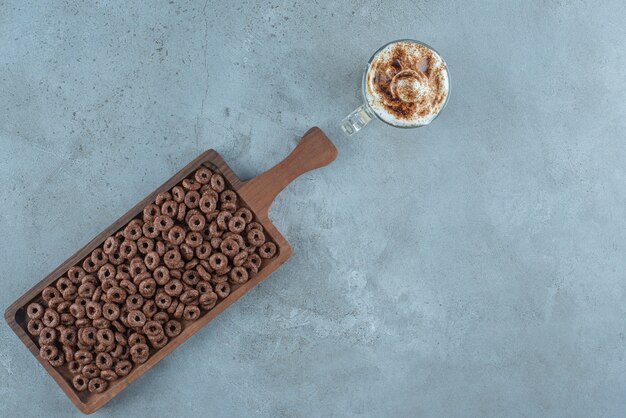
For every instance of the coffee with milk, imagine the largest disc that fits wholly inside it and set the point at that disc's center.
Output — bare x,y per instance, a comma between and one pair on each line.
406,84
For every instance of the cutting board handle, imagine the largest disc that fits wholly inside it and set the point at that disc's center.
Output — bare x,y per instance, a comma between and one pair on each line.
313,151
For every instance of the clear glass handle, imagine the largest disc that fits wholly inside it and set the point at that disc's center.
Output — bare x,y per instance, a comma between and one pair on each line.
356,120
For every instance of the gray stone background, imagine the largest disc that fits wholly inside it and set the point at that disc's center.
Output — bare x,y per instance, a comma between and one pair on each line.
474,267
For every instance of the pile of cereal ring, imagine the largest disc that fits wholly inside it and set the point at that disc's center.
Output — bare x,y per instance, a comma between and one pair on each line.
133,293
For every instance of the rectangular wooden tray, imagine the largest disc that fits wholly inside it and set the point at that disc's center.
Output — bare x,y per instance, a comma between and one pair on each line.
313,151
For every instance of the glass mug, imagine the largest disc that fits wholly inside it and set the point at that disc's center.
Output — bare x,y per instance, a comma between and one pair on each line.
405,87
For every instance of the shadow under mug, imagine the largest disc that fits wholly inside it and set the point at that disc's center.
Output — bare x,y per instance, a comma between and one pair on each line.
364,114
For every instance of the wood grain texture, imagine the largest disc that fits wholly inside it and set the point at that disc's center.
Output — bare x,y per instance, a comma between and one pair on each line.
314,150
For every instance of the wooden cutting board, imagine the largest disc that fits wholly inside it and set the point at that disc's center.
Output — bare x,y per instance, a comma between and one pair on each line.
313,151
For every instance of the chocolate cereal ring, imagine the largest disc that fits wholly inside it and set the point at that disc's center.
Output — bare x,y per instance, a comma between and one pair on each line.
162,197
79,383
208,300
101,323
240,258
196,222
173,306
217,182
134,302
163,223
149,308
87,335
186,252
99,257
256,237
207,204
228,196
218,261
152,260
160,343
267,250
128,286
229,247
83,357
106,271
97,385
74,367
67,319
191,184
133,231
93,310
34,311
173,328
172,258
49,293
182,211
169,208
228,207
150,212
255,260
163,300
90,371
51,318
203,273
222,219
219,278
189,297
68,353
178,312
191,277
145,245
161,275
203,287
192,264
194,239
105,336
174,287
76,273
116,294
236,224
34,326
136,338
192,199
139,353
86,290
122,368
108,375
104,361
191,313
62,284
222,289
68,336
153,329
128,249
204,250
238,275
136,318
161,317
245,214
159,247
203,175
116,258
149,230
77,310
147,288
176,235
89,265
57,360
178,194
